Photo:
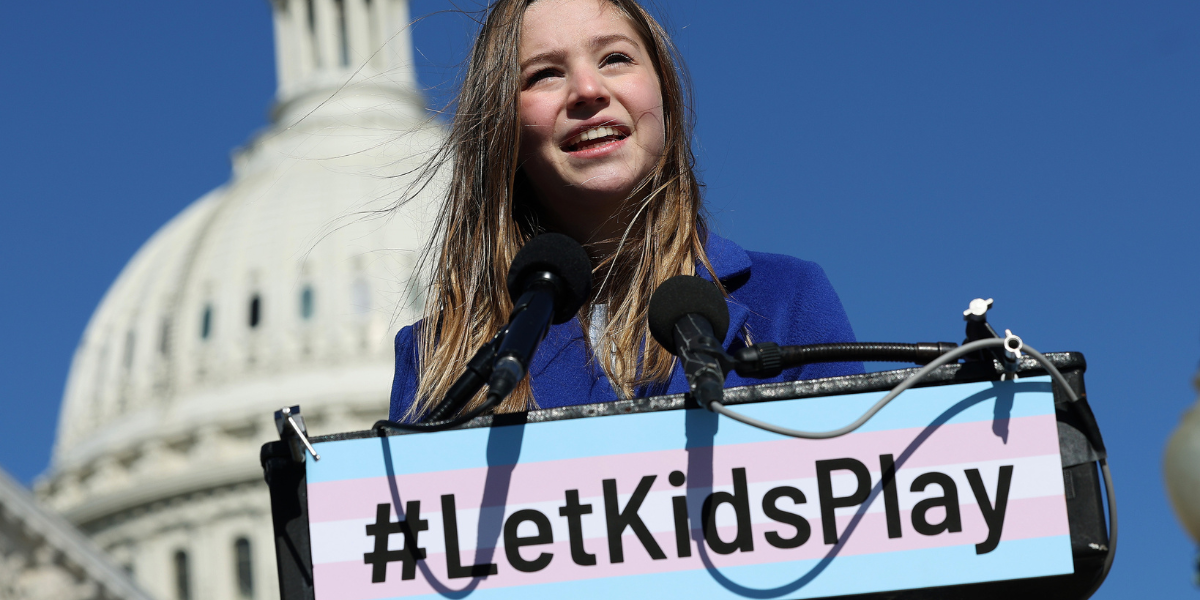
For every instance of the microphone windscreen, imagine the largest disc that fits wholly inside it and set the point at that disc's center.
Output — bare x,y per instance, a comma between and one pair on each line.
683,295
562,256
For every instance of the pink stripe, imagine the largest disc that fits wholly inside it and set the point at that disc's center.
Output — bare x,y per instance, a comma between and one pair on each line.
1026,519
765,462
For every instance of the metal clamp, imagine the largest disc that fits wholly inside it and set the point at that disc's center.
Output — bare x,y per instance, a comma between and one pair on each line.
977,310
1012,354
291,428
1012,345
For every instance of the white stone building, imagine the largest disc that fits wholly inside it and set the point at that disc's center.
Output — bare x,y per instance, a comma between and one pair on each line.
43,556
284,286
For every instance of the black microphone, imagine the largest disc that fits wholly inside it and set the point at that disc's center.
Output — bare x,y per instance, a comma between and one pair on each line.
478,370
688,316
550,278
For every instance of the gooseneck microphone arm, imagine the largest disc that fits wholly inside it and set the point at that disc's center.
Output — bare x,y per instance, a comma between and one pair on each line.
549,279
700,355
478,370
688,316
532,315
501,363
768,359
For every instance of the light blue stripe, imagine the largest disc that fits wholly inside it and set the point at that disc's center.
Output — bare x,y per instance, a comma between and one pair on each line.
861,574
667,430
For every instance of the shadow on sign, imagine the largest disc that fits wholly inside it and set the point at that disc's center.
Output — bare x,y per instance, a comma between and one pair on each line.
702,429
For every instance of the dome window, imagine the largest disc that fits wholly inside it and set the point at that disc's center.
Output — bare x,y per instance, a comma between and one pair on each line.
306,302
164,339
313,42
245,568
206,322
255,311
130,338
372,35
343,39
183,578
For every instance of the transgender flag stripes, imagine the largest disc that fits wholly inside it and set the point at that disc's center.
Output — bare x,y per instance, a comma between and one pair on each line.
946,485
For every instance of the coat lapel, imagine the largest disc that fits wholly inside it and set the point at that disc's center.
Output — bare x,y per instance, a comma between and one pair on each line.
732,265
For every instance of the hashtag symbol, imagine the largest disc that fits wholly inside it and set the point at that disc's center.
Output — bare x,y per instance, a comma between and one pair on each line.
383,528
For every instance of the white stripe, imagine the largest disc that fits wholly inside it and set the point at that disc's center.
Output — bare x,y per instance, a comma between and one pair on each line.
1033,477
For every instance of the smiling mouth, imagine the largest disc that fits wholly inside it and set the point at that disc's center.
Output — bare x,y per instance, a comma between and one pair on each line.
597,136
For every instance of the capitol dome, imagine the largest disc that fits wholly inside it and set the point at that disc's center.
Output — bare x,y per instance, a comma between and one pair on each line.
284,286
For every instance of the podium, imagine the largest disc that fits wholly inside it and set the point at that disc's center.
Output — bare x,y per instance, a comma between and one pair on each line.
964,486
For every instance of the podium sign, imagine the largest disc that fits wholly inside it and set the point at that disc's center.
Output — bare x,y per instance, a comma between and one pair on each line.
947,485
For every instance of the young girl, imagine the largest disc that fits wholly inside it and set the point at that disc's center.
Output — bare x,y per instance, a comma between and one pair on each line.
573,118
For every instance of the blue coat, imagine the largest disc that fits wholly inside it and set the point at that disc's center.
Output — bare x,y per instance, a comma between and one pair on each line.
777,298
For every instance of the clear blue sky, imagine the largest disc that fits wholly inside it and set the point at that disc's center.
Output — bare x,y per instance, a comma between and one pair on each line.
1043,154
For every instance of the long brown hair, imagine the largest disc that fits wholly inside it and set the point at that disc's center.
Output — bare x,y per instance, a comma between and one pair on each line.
490,213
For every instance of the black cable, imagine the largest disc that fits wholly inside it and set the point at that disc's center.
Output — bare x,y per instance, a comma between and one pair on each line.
489,403
768,359
922,353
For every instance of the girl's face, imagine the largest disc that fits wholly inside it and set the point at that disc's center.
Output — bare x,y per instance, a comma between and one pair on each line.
591,111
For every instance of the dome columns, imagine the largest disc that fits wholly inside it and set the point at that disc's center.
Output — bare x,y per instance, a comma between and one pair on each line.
321,44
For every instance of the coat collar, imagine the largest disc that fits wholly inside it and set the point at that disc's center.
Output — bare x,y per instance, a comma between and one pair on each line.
731,263
732,266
